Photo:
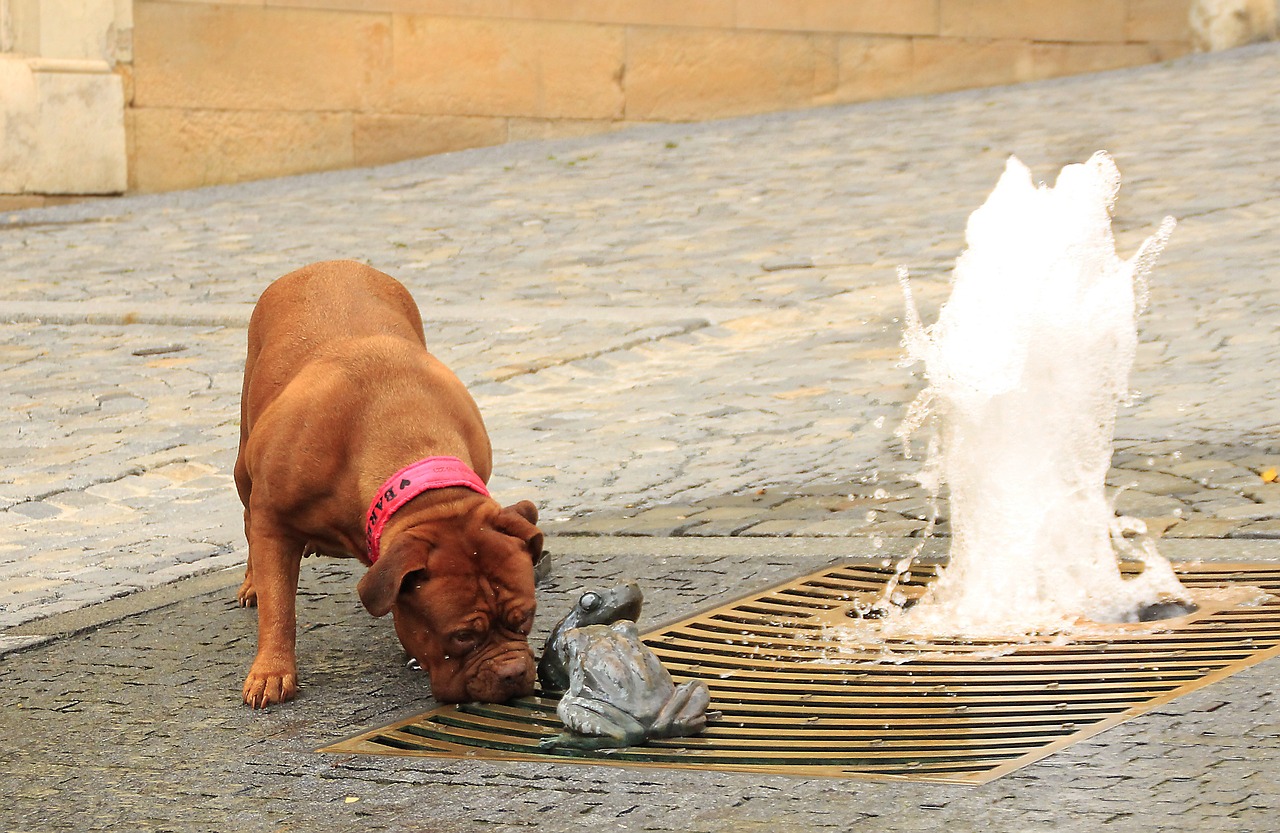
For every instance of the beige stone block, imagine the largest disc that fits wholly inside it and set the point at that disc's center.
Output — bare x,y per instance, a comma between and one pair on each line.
18,118
130,145
64,29
346,3
444,8
63,131
826,68
247,58
21,202
1158,20
1053,60
719,13
479,67
80,134
622,12
944,64
192,148
692,74
519,130
1164,50
1049,20
870,17
873,68
381,139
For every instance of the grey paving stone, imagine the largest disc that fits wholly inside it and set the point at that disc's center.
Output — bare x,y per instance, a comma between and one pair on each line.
1152,482
1143,505
1257,529
1254,512
36,509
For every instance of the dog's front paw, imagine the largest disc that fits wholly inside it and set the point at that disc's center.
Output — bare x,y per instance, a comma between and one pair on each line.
266,686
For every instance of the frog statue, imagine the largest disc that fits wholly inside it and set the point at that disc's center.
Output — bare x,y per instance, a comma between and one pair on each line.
616,691
620,695
594,607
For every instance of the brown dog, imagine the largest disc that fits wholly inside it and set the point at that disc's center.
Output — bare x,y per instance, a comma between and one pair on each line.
340,394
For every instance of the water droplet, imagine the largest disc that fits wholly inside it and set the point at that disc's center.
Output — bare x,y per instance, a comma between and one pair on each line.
880,494
879,423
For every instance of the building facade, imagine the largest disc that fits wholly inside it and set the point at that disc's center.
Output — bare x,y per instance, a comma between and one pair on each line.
103,96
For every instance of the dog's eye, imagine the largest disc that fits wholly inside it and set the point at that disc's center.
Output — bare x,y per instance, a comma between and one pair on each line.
590,601
464,641
525,624
412,581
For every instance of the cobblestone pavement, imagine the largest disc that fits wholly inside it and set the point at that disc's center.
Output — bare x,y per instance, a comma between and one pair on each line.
682,331
138,726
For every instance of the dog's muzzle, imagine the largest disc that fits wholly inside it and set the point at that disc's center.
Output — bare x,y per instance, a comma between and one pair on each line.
503,674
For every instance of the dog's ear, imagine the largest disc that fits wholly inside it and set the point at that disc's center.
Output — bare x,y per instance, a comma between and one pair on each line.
381,583
517,520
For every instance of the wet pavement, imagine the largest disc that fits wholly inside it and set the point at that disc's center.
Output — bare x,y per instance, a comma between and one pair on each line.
684,340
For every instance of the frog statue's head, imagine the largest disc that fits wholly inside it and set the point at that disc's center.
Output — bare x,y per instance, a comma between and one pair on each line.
594,607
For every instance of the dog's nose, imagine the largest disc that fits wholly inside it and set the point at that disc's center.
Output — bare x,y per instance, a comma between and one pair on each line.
514,675
515,670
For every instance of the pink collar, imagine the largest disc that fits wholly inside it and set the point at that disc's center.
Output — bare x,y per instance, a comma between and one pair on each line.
408,483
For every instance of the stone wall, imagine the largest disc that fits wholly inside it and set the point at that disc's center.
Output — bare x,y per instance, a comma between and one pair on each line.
243,89
61,100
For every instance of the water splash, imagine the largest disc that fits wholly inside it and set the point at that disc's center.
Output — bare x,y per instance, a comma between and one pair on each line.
1026,365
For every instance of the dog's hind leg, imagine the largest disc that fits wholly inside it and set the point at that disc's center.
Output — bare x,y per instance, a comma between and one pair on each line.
247,595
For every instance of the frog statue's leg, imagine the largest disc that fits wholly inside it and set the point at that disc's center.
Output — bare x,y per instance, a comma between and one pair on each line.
684,713
595,724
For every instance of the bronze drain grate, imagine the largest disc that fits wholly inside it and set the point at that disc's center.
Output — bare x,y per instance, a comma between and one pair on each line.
796,700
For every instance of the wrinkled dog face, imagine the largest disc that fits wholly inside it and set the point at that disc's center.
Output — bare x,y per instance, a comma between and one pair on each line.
463,602
470,630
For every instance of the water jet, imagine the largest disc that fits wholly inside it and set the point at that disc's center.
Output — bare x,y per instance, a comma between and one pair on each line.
1026,366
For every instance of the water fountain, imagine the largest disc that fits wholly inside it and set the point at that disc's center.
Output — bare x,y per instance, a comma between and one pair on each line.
1026,366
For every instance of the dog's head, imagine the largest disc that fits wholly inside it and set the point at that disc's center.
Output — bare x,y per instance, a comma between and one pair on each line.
462,598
